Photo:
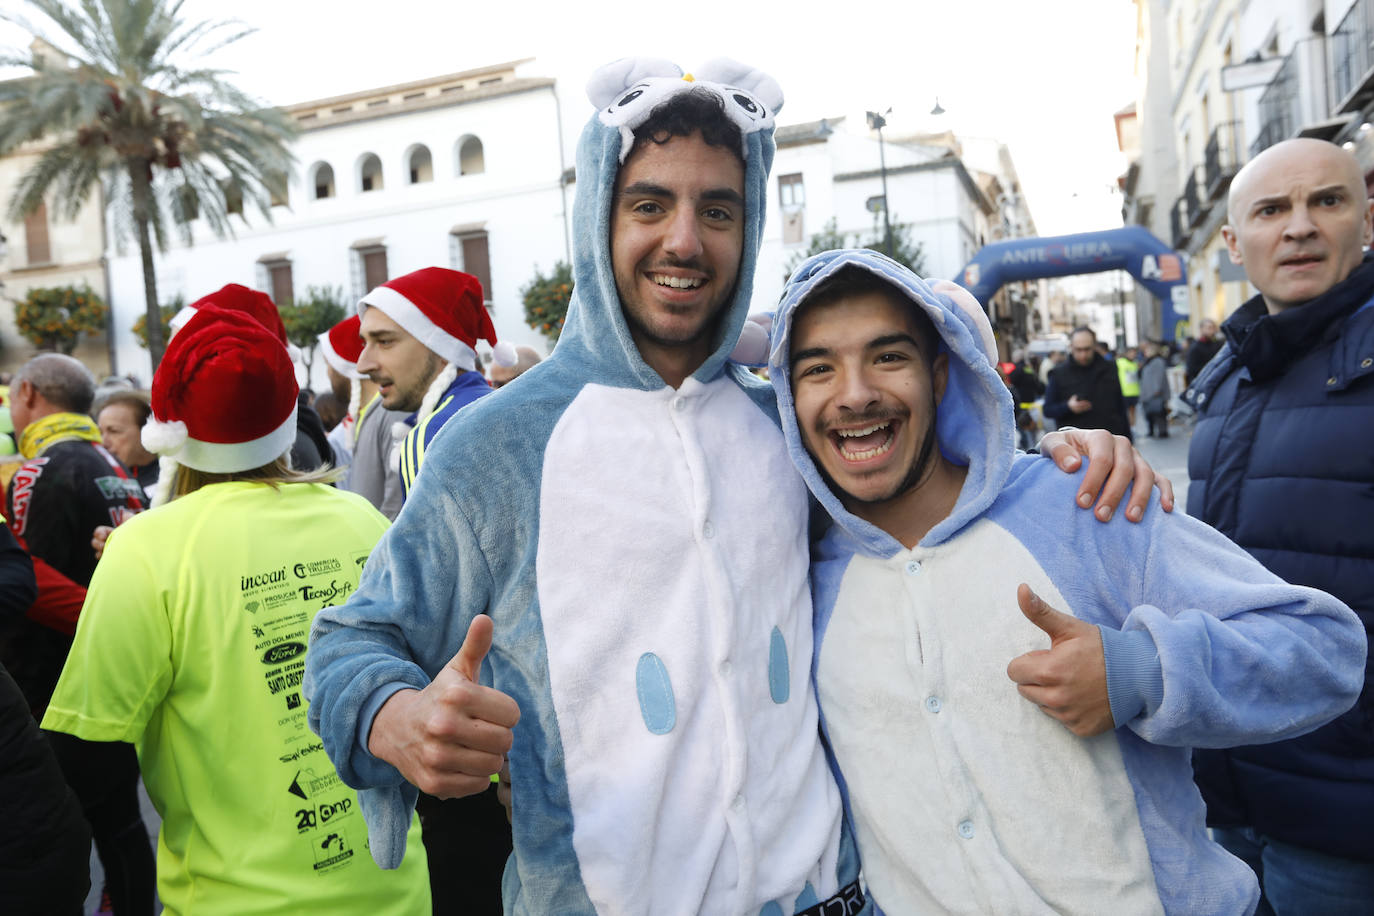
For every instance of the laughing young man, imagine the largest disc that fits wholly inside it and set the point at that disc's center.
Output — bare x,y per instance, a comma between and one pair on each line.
942,664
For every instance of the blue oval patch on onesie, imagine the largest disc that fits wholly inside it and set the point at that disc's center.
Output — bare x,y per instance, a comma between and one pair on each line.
655,694
778,671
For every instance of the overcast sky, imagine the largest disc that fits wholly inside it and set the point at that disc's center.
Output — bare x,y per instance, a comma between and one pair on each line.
1043,77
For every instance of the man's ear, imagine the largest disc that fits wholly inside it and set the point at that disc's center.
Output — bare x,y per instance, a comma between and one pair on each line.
1229,235
939,376
26,393
1368,230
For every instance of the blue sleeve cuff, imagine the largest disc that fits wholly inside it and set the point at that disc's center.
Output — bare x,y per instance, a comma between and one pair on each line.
374,704
1135,676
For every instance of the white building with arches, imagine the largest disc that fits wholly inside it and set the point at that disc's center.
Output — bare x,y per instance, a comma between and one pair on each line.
464,170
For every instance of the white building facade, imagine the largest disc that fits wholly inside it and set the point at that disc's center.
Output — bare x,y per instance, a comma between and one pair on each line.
823,171
463,171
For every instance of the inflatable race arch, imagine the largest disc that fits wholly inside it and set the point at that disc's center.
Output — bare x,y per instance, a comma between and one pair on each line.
1134,249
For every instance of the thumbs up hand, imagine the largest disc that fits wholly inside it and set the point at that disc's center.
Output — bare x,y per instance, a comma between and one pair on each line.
1068,681
449,738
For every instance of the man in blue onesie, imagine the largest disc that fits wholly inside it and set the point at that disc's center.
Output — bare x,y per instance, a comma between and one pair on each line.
939,694
628,517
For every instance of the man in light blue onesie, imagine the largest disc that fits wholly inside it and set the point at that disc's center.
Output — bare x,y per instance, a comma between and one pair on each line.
939,695
628,517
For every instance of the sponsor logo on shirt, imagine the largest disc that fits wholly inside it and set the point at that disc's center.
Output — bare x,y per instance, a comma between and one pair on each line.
252,581
317,568
119,488
279,679
24,480
327,594
300,752
283,652
331,852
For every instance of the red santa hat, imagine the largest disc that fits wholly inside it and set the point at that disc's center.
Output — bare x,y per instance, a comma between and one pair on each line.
224,395
342,345
443,310
236,298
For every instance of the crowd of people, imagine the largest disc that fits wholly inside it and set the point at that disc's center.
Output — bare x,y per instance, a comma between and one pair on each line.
643,632
1145,398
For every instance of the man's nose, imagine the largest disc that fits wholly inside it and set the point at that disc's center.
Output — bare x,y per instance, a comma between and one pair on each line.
683,236
1299,224
857,391
367,361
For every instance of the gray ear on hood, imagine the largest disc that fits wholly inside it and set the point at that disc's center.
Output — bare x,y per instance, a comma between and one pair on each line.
741,76
609,81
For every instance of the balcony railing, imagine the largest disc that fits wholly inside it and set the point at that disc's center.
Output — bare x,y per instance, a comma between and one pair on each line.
1296,97
1222,158
1193,199
1182,219
1178,223
1352,58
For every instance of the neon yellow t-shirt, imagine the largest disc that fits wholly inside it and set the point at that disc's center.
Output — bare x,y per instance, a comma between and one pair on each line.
191,645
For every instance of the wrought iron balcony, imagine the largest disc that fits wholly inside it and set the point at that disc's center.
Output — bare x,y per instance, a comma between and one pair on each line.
1297,97
1178,223
1191,194
1352,58
1221,160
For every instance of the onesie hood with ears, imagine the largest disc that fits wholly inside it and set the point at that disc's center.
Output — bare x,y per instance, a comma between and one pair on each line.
625,93
975,420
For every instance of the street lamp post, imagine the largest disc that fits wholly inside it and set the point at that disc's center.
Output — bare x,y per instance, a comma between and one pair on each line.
878,122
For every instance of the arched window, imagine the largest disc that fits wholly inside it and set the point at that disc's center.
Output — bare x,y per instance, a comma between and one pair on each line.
369,173
470,158
322,180
419,165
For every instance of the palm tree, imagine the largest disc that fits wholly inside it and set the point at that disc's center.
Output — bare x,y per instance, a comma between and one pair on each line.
166,139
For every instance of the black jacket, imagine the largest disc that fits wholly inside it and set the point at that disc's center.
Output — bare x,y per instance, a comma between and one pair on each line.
1199,355
1282,462
44,841
1097,382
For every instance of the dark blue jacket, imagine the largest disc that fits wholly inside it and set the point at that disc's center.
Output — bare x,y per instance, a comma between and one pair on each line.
465,388
1282,462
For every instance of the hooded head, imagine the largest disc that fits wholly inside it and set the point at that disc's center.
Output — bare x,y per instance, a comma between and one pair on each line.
672,183
944,399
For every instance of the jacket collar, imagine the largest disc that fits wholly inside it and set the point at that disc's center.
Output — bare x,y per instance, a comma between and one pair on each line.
1268,344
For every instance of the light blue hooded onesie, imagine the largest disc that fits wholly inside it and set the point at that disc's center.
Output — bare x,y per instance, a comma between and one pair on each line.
967,798
643,554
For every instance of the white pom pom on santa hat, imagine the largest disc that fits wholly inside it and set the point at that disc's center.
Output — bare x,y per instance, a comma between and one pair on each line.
504,355
163,437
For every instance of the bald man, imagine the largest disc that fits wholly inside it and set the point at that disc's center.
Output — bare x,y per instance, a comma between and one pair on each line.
1282,462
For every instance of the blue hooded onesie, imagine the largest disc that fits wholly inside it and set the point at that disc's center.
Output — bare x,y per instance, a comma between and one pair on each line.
966,797
642,551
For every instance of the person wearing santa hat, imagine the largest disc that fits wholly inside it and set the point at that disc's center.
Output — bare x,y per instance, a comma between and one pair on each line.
311,448
191,646
341,346
420,334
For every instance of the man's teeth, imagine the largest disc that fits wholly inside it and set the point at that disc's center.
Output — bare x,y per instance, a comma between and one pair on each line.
678,282
866,431
864,454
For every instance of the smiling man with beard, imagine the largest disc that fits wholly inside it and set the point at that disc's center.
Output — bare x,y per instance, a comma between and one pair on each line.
1282,462
997,755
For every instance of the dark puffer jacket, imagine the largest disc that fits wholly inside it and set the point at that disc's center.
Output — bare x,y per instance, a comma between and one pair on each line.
1282,462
